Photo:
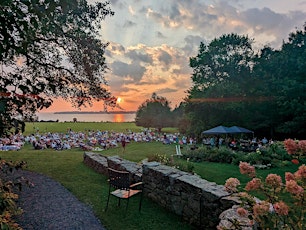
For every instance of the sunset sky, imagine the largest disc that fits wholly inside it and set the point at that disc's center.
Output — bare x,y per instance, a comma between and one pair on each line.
151,41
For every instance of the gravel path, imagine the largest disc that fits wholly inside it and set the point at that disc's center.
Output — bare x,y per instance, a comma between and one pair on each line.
49,206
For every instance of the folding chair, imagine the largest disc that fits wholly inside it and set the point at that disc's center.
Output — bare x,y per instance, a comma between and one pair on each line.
178,150
120,187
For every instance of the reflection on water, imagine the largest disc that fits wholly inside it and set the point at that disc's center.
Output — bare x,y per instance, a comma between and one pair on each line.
118,118
95,117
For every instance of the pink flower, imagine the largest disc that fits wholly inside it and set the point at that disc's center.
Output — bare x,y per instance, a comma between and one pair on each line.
261,209
281,208
246,169
242,212
293,188
301,173
289,176
254,184
291,146
274,180
231,184
302,146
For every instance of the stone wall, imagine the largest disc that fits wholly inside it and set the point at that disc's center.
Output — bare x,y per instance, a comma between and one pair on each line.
196,200
100,164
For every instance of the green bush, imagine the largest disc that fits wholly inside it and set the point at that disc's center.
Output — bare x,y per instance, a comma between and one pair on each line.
226,154
197,155
254,158
277,151
272,155
222,155
239,156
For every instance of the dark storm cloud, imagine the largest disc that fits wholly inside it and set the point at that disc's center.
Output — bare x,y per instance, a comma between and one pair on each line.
134,70
137,56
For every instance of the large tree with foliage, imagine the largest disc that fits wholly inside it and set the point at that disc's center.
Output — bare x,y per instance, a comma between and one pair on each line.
180,119
48,49
264,92
155,112
283,78
221,82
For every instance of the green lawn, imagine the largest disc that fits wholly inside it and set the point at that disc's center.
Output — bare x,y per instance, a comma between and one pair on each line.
91,188
43,127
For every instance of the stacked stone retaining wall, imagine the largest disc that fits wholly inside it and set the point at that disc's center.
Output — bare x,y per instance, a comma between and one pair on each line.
196,200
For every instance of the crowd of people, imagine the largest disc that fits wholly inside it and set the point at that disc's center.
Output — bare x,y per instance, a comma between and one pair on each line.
97,140
13,142
89,139
247,145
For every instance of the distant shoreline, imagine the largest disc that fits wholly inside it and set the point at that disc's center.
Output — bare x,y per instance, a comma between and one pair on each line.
89,116
93,112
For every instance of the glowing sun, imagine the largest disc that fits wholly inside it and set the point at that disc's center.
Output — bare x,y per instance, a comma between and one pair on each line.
119,100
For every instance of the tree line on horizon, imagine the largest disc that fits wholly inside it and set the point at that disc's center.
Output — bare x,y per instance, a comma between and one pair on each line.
233,85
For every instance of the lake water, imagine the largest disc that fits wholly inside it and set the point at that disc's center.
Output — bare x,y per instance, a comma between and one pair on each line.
88,117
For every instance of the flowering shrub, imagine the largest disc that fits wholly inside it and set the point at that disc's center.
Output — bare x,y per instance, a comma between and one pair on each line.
246,169
8,207
283,206
295,148
273,155
231,184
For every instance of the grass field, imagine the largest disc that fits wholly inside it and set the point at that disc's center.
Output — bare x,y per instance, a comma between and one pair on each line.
91,188
43,127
